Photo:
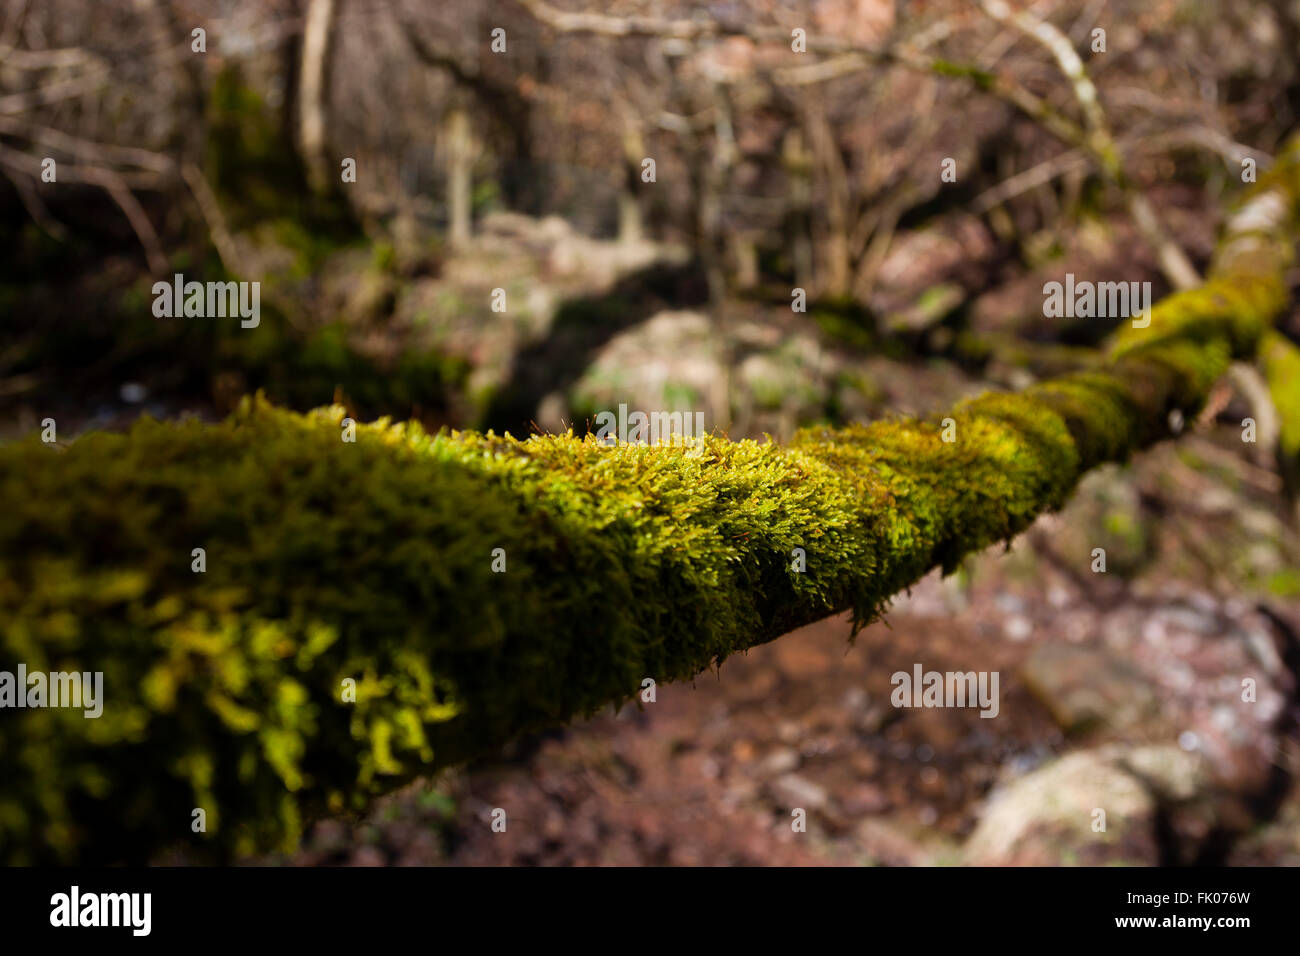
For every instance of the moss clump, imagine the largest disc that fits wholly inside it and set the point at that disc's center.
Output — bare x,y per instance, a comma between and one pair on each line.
373,561
1281,361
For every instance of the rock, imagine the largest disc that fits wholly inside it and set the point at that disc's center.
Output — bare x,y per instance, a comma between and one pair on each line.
779,761
792,791
864,798
1017,627
1170,772
788,732
888,844
1046,818
931,307
1084,687
1105,512
670,362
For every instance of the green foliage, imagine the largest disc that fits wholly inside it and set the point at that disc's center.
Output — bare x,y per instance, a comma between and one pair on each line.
372,560
305,372
847,321
258,175
384,258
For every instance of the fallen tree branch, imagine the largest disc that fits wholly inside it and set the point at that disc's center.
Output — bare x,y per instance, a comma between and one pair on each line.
1280,358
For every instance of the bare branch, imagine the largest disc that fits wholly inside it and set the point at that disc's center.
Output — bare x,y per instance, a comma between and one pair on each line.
86,149
1175,265
115,184
1029,179
208,205
31,201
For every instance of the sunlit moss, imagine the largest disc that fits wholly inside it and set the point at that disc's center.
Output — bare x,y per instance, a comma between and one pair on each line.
1281,361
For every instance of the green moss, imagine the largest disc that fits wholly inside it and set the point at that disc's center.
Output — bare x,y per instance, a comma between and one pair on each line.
384,258
1281,361
1285,583
846,321
982,79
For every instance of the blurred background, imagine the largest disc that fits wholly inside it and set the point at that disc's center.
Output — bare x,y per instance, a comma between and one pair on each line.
918,169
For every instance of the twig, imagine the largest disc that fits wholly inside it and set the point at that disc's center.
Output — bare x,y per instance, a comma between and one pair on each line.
75,146
1175,265
216,220
1029,179
35,207
1261,478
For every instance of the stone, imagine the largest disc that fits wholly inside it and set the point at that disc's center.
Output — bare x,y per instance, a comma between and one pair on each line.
1046,818
1085,687
792,791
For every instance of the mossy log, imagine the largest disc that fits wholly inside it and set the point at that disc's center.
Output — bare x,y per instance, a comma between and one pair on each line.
375,562
1281,361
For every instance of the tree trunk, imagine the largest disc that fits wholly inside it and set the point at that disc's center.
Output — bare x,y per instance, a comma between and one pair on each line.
313,93
798,167
629,199
460,180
